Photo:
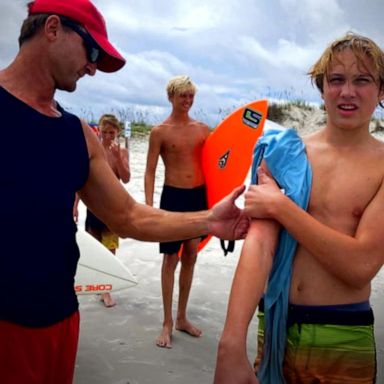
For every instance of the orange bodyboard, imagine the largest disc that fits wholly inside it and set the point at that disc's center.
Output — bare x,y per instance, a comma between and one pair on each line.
228,150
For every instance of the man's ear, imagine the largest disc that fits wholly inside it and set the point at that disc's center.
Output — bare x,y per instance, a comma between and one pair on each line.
52,26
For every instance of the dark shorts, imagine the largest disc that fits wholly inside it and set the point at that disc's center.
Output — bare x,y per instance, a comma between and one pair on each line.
98,229
181,200
332,344
92,222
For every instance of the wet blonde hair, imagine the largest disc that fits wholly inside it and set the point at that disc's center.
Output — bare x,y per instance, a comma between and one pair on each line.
180,84
361,46
109,119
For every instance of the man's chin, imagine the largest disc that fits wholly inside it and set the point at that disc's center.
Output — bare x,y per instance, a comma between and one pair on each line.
67,87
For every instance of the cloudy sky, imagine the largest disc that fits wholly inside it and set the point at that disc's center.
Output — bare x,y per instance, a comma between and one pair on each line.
235,51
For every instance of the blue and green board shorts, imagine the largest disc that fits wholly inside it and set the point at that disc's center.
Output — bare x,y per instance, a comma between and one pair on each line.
327,344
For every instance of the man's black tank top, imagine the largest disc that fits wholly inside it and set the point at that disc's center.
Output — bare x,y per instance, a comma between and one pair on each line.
43,162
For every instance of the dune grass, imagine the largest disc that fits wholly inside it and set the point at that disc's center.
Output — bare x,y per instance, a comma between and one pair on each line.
278,111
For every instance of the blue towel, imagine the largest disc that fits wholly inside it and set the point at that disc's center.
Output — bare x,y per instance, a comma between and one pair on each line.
284,153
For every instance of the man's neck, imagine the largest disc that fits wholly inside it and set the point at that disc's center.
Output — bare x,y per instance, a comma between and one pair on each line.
29,85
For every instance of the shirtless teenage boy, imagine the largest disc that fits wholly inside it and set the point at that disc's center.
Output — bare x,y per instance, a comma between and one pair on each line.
118,160
330,335
178,140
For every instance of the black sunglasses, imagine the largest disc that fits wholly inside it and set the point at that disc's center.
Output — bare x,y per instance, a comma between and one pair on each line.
92,48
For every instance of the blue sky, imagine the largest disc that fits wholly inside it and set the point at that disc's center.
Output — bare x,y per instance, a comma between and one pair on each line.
235,51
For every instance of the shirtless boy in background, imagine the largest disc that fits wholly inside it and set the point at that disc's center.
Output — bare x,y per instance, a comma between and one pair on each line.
118,160
179,141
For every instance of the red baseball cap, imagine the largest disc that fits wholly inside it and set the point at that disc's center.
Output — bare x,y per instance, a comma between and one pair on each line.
86,14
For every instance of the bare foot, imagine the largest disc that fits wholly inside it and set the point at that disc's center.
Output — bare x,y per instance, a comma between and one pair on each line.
186,326
108,300
164,340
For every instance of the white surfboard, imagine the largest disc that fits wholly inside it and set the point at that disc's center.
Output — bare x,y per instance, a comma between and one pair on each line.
98,270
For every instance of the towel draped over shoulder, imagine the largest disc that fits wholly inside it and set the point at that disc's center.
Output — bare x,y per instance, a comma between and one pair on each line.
286,159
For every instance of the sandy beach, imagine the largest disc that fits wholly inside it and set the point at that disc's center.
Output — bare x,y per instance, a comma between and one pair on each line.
117,344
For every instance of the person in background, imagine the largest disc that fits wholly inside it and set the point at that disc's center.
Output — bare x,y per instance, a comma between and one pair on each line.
330,334
118,159
178,140
60,42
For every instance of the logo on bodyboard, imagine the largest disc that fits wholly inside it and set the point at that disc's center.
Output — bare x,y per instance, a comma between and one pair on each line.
224,159
252,118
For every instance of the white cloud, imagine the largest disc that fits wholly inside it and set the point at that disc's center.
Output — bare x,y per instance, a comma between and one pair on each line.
234,51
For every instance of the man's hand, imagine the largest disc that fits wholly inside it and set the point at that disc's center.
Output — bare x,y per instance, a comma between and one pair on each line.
227,221
75,214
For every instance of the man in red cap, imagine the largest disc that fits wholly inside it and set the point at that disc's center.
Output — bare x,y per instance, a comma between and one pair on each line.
60,42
